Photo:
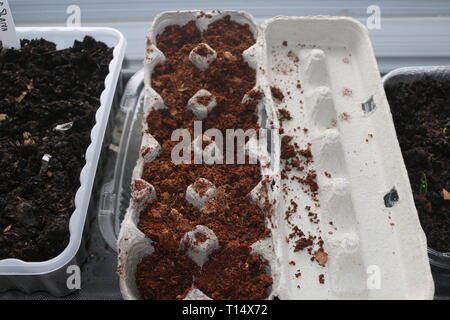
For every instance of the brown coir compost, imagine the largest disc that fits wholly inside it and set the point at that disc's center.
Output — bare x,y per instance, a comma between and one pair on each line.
40,88
421,114
241,274
231,272
162,274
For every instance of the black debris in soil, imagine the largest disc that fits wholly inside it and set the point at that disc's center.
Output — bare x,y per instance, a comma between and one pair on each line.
421,112
42,87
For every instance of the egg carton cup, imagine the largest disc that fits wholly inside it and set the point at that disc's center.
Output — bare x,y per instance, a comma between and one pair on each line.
51,275
365,213
133,244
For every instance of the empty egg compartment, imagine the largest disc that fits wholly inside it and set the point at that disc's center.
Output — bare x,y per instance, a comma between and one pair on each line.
338,236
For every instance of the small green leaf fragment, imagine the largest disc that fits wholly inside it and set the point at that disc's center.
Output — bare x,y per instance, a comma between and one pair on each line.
423,187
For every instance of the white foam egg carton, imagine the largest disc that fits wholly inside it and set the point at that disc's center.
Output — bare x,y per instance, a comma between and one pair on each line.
376,247
373,245
133,244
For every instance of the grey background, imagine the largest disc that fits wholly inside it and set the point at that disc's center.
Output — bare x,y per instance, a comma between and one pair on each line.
412,32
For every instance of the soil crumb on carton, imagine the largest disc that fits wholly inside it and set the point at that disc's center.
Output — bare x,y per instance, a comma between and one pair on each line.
321,278
277,93
287,149
202,50
284,114
200,237
204,100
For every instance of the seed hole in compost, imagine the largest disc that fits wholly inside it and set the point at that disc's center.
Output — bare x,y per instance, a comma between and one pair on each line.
391,198
369,105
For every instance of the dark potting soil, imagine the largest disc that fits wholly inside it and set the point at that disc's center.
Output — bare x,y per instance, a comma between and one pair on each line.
235,220
421,112
40,88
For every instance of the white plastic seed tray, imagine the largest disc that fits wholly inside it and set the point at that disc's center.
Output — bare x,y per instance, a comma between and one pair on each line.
367,219
51,275
407,76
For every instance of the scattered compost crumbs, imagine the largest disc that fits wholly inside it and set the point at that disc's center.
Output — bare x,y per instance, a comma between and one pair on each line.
296,165
421,115
43,89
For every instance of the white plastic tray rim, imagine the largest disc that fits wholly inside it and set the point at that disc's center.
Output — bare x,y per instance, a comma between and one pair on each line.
64,38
